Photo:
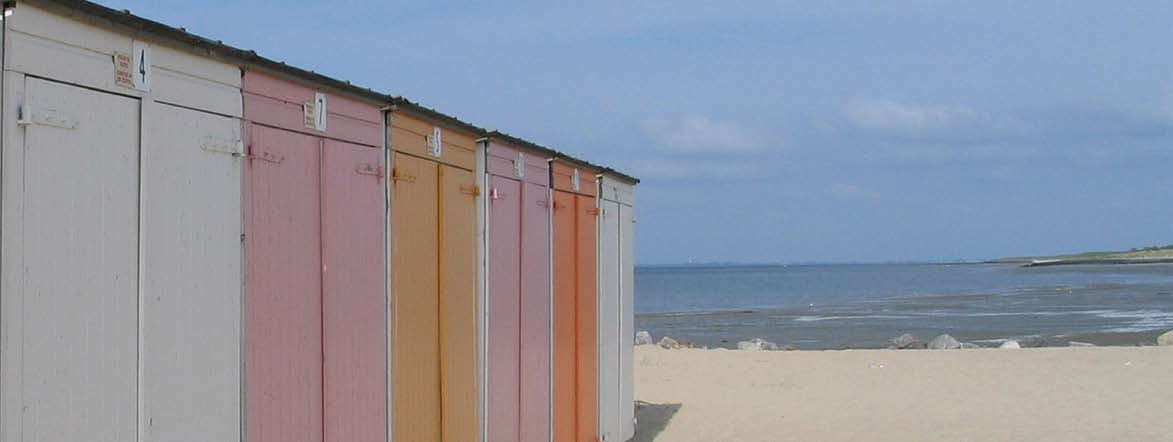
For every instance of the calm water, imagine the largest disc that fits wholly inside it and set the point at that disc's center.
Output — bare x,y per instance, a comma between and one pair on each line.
861,306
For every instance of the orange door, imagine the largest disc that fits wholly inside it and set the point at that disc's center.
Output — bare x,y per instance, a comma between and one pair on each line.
565,321
458,305
588,317
415,251
575,319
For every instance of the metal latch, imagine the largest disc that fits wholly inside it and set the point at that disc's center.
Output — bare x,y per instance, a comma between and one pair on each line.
374,170
45,117
594,211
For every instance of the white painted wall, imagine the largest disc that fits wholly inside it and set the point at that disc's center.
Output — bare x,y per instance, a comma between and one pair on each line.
78,284
616,310
609,371
120,271
191,205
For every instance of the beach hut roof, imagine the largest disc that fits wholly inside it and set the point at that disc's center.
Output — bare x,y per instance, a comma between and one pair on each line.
134,25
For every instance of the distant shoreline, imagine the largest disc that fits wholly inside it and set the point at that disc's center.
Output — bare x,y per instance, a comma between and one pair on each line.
1148,255
1101,261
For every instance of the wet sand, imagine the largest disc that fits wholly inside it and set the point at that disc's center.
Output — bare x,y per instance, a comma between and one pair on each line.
1044,394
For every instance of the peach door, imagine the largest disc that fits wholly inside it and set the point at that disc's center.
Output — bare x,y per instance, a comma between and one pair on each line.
415,304
458,305
354,321
565,321
535,313
587,307
504,302
575,319
283,332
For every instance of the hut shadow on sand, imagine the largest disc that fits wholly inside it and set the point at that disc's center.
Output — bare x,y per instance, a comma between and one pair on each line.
651,419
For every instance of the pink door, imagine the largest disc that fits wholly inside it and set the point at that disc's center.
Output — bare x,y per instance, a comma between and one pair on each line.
353,306
535,313
504,309
283,310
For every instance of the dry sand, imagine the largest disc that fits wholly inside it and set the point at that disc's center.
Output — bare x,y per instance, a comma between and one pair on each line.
1048,394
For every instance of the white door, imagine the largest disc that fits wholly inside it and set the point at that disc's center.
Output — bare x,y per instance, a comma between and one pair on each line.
191,228
609,373
79,309
626,322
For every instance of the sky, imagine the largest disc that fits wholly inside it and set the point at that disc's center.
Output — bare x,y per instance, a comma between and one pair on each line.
789,131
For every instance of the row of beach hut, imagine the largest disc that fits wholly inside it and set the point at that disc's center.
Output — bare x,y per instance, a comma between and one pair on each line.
201,244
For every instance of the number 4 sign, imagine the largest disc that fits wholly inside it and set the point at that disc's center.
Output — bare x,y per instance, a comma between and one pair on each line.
141,66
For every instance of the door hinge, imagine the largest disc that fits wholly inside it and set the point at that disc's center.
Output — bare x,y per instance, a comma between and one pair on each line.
266,156
396,175
594,211
230,147
370,169
472,190
30,116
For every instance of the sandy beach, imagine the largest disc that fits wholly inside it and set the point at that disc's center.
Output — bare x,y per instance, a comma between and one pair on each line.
1043,394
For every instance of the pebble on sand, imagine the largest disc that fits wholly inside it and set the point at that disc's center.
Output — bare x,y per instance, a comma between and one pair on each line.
757,344
1165,340
944,342
644,338
669,343
906,341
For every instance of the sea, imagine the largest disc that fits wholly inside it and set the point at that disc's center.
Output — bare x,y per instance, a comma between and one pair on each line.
851,306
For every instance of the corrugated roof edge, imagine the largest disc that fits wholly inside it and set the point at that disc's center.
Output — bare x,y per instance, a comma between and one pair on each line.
435,116
556,155
135,25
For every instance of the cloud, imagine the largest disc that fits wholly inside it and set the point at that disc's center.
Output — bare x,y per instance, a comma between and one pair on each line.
892,115
698,134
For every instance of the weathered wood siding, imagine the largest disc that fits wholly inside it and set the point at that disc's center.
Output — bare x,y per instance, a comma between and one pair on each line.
576,314
129,332
316,327
435,371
